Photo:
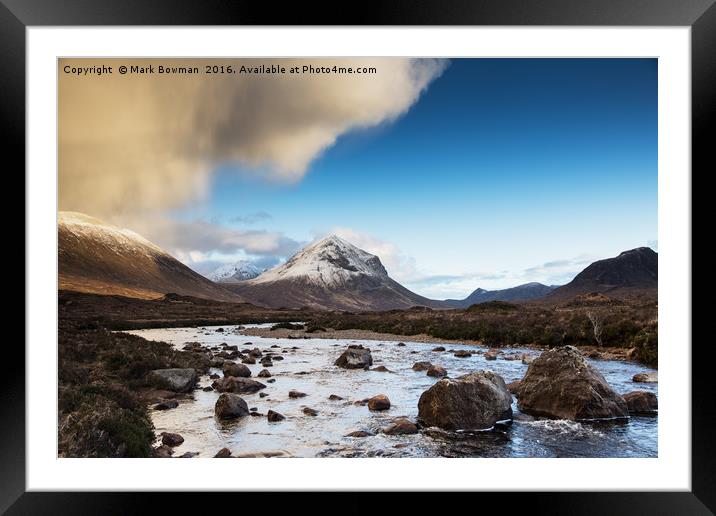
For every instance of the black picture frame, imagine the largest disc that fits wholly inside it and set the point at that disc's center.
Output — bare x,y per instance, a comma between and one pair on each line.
700,15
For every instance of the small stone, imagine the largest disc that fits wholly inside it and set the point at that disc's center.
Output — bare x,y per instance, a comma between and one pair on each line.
166,405
379,402
401,426
359,433
437,371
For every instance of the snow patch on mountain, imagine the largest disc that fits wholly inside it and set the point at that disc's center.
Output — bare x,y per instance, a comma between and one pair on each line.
234,272
115,239
331,262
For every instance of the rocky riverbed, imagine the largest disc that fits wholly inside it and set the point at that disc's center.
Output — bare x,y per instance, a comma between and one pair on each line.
307,406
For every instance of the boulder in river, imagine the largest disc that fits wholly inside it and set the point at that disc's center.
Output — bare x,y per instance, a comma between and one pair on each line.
296,394
275,416
236,370
248,360
641,403
646,378
401,426
223,453
475,401
230,406
309,411
178,380
438,349
359,433
491,355
355,357
437,371
379,402
171,439
166,405
237,385
561,384
422,366
264,373
462,353
334,397
381,369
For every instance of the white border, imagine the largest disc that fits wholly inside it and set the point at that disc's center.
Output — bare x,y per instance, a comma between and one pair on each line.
670,471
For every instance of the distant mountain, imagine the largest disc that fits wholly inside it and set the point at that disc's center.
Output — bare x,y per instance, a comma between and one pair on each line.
631,272
99,258
235,272
526,292
330,274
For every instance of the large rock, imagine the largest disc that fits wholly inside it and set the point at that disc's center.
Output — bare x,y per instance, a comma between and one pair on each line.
475,401
237,385
230,406
422,366
641,402
178,380
237,370
561,384
355,357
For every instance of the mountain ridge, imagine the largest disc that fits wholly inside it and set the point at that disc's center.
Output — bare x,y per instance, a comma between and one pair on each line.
525,292
630,272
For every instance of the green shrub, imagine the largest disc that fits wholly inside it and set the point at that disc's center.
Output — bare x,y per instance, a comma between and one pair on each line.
646,343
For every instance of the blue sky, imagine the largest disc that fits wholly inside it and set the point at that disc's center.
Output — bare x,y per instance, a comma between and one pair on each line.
504,171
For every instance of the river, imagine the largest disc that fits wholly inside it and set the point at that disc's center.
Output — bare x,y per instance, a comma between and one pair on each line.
308,367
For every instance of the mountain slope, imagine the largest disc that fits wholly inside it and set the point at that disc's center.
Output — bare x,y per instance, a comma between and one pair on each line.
99,258
633,271
526,292
235,272
330,274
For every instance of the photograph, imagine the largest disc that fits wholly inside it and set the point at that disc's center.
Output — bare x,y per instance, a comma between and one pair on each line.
357,257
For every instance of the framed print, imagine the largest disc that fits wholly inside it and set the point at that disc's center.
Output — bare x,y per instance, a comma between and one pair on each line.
416,253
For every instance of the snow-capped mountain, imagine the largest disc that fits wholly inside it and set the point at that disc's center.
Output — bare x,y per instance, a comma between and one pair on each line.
330,274
100,258
235,272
